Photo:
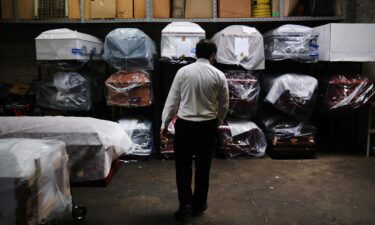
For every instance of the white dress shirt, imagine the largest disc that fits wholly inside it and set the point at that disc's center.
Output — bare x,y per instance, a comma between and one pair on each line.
199,93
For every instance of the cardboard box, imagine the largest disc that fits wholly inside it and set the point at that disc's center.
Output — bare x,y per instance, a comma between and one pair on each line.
25,9
125,9
162,9
139,8
103,9
289,7
343,42
74,9
234,8
199,9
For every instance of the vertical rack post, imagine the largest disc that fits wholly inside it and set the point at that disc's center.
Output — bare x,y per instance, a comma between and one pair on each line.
215,8
149,10
82,10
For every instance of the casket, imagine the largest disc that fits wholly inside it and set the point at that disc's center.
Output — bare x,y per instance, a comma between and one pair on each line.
180,39
129,49
65,44
140,133
345,93
91,144
294,94
166,146
129,89
66,91
241,138
34,182
294,42
288,136
243,94
240,45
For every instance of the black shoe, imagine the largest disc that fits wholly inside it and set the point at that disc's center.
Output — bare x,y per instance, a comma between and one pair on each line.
183,212
199,210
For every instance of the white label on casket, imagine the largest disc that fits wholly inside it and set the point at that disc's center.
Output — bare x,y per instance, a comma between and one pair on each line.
184,47
247,30
241,47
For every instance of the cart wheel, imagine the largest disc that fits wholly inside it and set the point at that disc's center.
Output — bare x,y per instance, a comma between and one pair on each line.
79,212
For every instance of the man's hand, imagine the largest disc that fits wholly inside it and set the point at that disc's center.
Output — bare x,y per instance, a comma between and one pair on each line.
163,133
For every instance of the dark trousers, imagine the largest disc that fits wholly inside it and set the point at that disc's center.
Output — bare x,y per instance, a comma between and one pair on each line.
193,139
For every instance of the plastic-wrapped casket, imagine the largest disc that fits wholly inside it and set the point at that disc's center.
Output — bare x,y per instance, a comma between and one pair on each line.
180,39
243,94
65,44
91,144
344,93
167,149
129,89
294,94
241,138
66,91
240,45
288,135
140,132
129,49
294,42
34,182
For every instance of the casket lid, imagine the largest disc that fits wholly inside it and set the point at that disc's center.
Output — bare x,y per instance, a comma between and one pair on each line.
126,78
180,28
291,29
63,34
239,30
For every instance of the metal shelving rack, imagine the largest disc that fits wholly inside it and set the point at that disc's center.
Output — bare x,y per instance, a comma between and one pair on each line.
149,17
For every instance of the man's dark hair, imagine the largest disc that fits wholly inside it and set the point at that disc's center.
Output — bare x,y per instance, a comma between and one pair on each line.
205,49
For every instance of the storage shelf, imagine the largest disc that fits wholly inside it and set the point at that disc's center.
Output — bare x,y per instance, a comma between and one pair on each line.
156,20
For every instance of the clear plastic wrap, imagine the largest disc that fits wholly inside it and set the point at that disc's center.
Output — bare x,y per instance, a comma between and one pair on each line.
243,94
140,132
180,39
166,147
91,144
342,93
240,45
241,138
66,91
294,94
34,182
284,131
294,42
129,89
129,49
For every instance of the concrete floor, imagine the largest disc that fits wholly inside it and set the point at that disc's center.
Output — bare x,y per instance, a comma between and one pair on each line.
332,189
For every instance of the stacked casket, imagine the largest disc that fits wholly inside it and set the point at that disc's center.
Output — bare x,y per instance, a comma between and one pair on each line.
166,146
288,136
65,52
293,94
342,93
241,138
294,42
92,144
243,94
129,89
34,182
130,51
140,132
240,45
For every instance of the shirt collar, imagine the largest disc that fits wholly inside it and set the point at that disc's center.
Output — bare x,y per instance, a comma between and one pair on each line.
203,60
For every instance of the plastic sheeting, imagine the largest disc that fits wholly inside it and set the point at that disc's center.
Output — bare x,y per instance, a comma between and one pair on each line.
345,93
65,44
65,91
180,39
129,49
243,94
294,94
166,146
91,144
34,182
294,42
240,45
140,132
241,138
129,89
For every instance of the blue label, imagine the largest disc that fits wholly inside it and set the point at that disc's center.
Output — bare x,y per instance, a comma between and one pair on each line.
77,51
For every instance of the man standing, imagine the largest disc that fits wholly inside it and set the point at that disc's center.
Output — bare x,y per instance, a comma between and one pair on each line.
199,97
